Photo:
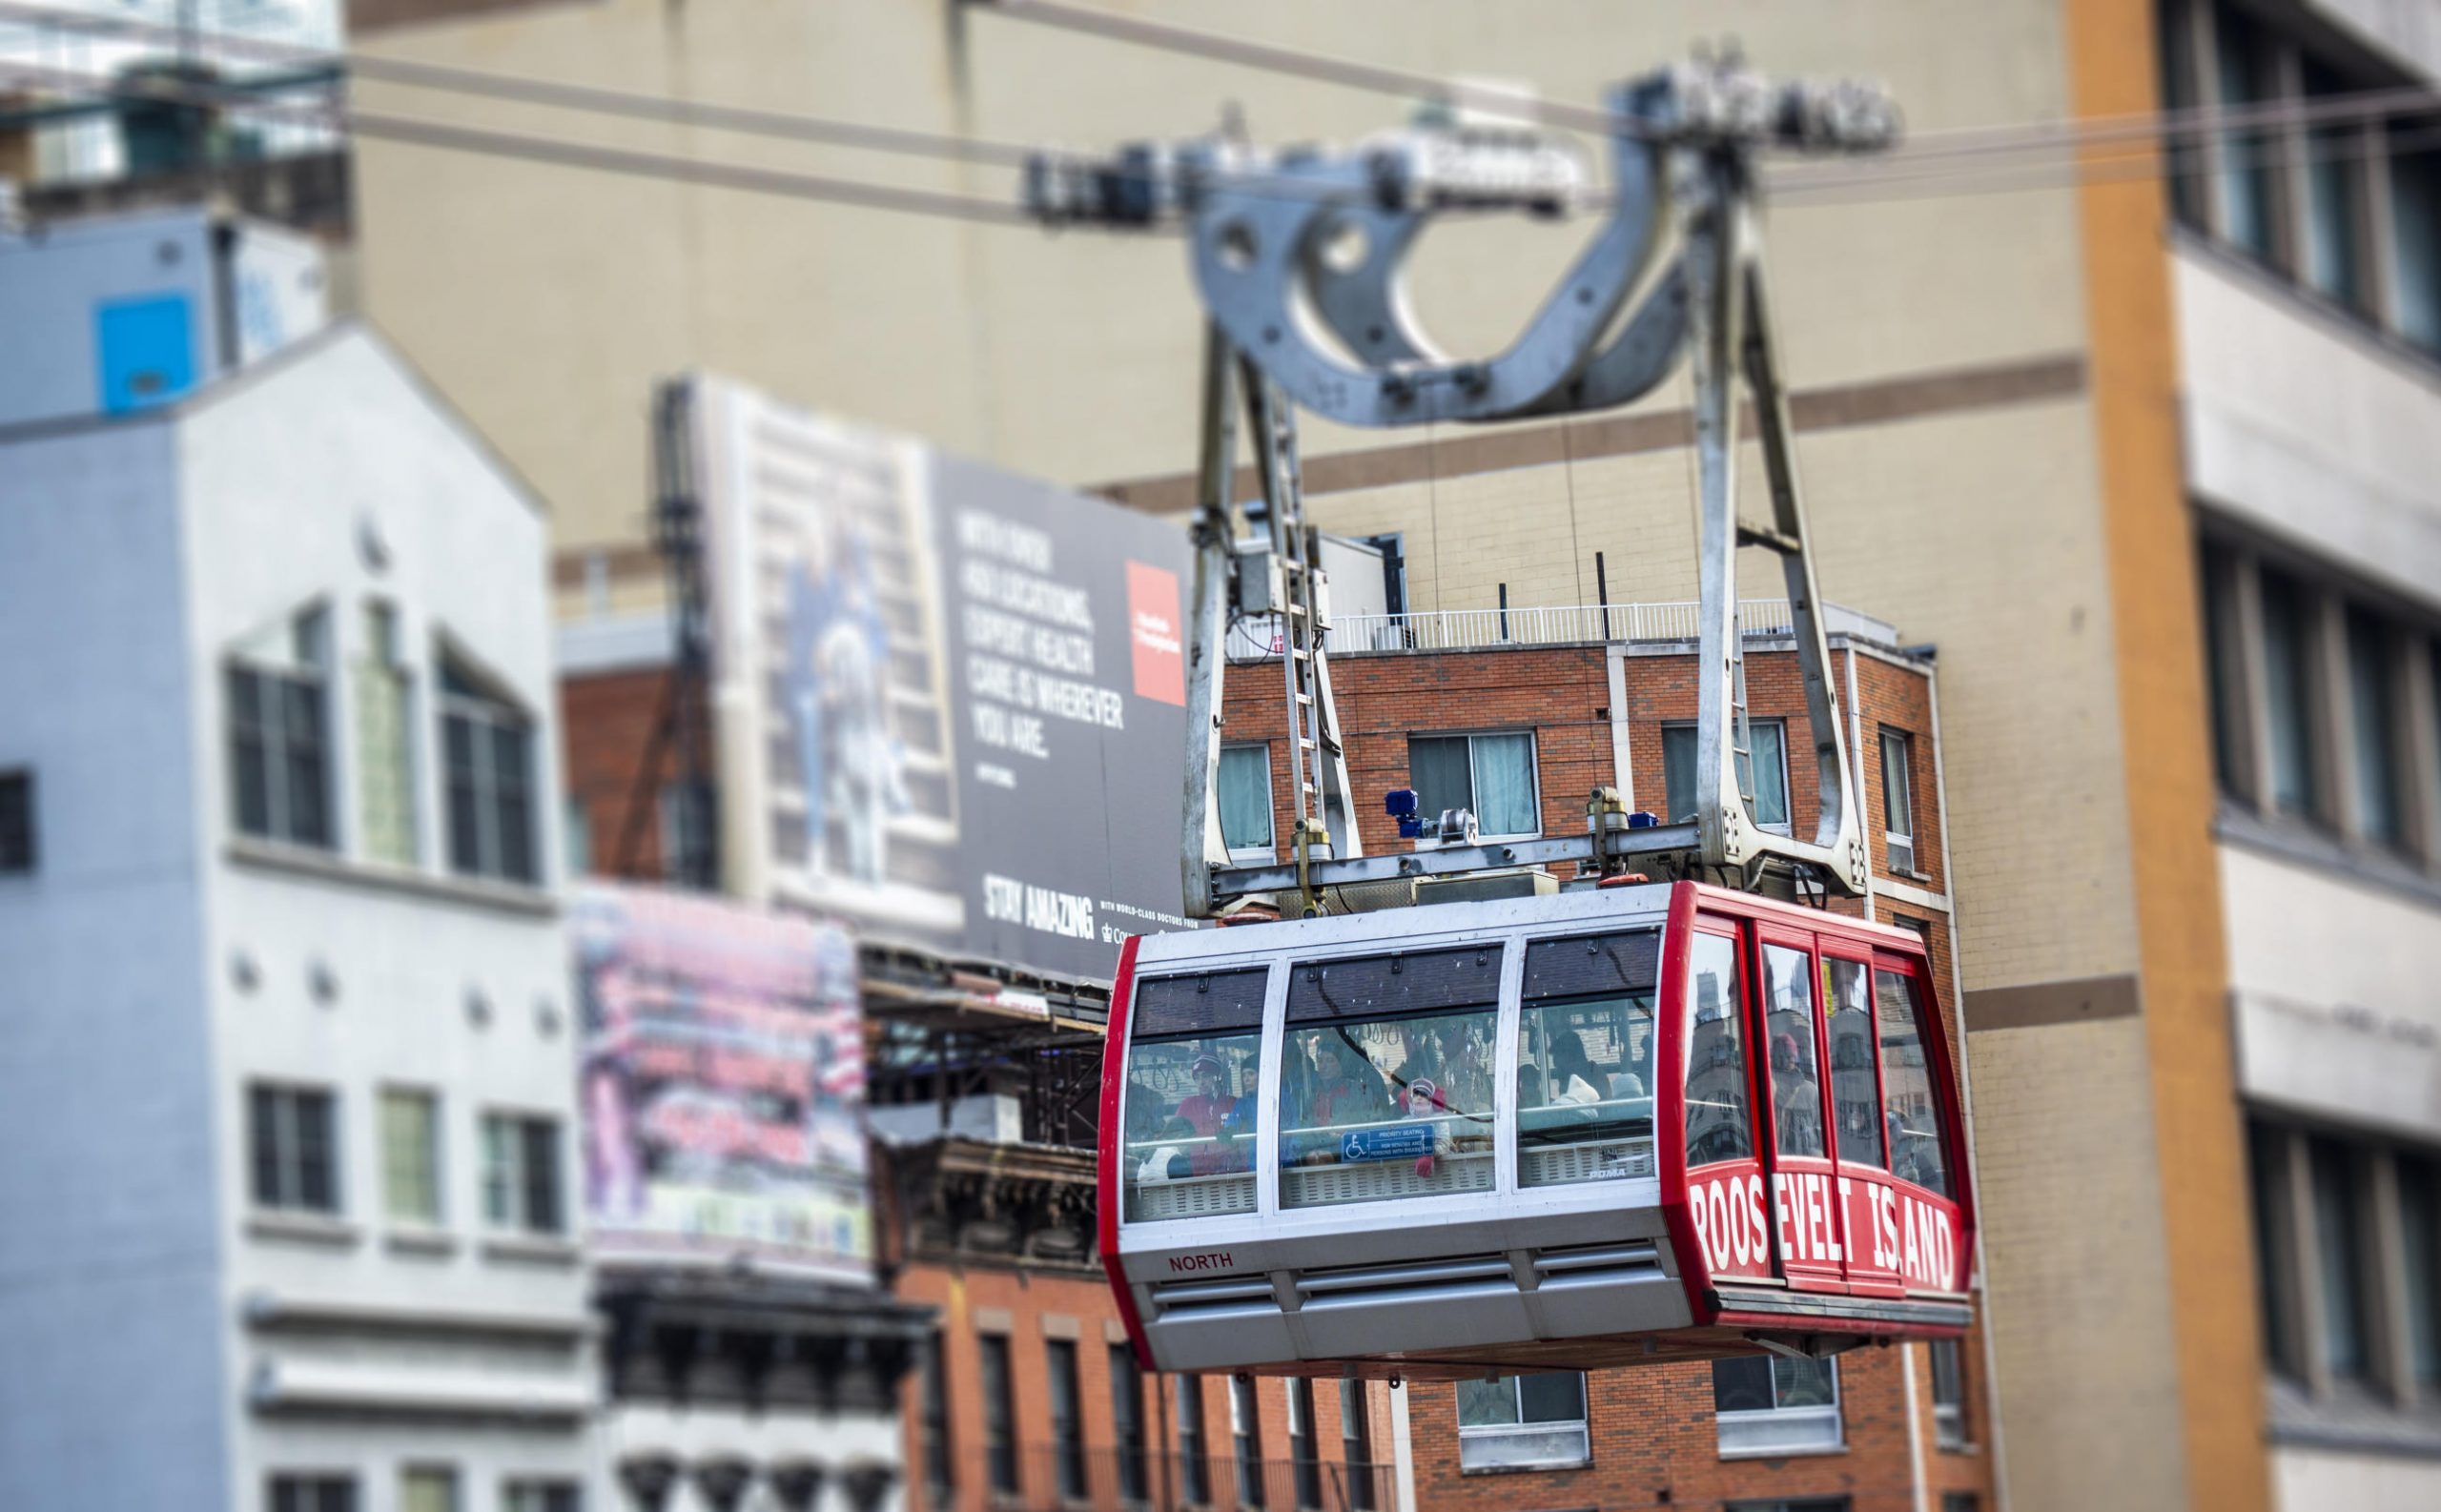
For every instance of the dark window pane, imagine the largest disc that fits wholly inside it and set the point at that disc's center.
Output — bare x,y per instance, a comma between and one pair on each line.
2289,692
1127,1420
1678,772
316,1165
262,1115
2416,231
1856,1097
2247,205
2179,91
513,809
16,822
307,774
1556,1397
2339,1248
1440,772
542,1173
249,755
1194,1467
1000,1412
939,1465
1803,1382
1067,1416
1742,1386
2334,195
2420,1239
465,794
2267,1170
2223,637
2371,700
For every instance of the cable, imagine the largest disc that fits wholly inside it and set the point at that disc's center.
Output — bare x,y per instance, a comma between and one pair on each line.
547,150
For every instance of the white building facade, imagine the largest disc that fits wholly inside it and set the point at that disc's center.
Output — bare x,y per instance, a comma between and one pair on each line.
2307,286
289,1217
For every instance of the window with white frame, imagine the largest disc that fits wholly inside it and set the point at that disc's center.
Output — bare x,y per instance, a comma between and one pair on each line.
522,1187
487,755
292,1140
386,771
317,1492
410,1155
1492,775
1773,1405
428,1488
542,1496
1513,1422
279,762
1806,1504
1899,798
1245,802
1764,770
1949,1393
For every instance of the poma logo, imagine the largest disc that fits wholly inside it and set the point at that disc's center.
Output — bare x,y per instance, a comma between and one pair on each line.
1208,1260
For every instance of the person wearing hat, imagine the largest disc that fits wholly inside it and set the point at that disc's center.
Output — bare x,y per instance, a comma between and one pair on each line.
1209,1106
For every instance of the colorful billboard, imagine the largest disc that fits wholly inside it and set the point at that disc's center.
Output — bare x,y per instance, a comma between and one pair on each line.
951,700
724,1084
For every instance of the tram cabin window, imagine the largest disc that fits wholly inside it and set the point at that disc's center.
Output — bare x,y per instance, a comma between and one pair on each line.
1718,1121
1788,1028
1585,1045
1385,1080
1912,1117
1855,1096
1194,1052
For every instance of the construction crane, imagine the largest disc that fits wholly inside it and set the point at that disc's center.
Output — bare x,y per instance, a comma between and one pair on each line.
1300,259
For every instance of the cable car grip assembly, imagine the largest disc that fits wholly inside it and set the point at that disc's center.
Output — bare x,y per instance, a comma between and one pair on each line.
1299,257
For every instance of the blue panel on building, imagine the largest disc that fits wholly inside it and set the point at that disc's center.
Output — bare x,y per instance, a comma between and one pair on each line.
147,350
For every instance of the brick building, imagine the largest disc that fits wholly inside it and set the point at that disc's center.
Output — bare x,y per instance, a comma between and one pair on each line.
1027,1395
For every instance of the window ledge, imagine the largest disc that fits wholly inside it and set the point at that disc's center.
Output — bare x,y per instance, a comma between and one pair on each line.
421,1241
323,1229
532,1249
379,876
1532,1468
1813,1451
2307,303
2307,845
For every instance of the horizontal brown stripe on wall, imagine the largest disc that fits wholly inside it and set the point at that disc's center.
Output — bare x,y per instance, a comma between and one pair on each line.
1843,407
2083,1000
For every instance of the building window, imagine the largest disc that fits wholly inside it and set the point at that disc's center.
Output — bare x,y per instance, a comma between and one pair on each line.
386,771
278,733
18,851
542,1496
1961,1502
1127,1421
2420,1243
1810,1503
2373,733
1899,799
1492,775
2415,232
1195,1468
940,1472
1245,1434
2290,690
2334,197
294,1141
1356,1444
1067,1416
410,1155
576,835
999,1413
312,1493
1774,1404
1949,1393
1764,772
486,748
2178,87
2224,653
1513,1422
1305,1445
1245,802
427,1489
2268,1179
2339,1254
2249,202
522,1173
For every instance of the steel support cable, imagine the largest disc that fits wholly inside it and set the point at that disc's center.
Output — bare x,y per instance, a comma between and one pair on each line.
554,150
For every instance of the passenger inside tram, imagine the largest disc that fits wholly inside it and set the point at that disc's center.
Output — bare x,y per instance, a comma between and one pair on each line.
1583,1109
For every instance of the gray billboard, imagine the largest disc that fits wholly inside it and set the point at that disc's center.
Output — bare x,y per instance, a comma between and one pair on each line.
949,700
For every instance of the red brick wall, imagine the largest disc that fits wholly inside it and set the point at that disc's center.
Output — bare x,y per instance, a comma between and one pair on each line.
1028,1308
608,723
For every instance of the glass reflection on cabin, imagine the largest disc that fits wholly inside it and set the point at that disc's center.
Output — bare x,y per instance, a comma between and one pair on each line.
1195,1054
1585,1041
1718,1121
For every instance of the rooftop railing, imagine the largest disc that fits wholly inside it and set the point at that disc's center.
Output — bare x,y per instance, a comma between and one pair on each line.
1565,624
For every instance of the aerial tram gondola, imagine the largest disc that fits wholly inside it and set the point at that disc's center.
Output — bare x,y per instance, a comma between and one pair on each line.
1626,1122
1606,1126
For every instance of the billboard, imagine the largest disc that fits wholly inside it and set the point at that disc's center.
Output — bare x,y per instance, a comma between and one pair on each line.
951,700
724,1084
